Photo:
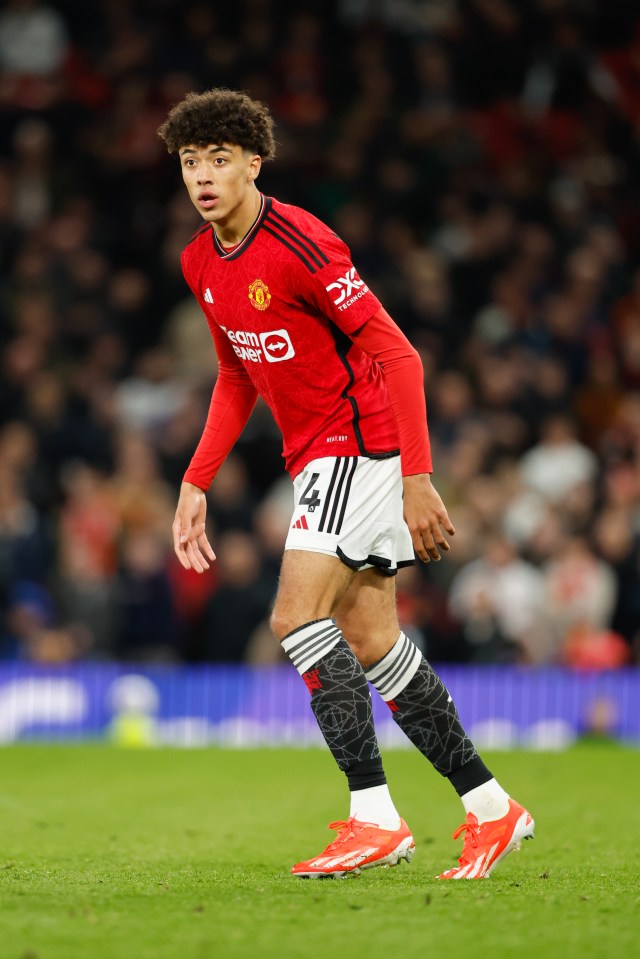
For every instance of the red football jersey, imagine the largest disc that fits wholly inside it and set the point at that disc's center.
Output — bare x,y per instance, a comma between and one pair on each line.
288,298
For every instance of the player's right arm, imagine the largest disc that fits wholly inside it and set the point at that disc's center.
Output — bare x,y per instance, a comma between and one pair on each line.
232,401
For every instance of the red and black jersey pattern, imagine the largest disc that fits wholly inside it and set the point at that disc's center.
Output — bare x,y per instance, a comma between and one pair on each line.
289,235
239,249
288,300
202,229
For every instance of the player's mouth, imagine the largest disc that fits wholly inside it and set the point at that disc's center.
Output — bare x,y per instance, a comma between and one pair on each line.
207,200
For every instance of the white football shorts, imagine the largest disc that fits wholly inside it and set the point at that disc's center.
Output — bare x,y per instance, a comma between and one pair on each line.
351,507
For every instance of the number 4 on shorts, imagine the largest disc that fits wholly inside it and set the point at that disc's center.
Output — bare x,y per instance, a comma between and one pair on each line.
311,498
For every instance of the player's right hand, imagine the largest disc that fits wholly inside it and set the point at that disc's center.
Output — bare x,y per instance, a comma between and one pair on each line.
190,542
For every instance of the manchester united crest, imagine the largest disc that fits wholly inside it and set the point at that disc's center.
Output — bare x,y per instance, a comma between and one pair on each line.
259,295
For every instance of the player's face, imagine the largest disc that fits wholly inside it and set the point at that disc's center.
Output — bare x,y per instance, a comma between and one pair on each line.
219,179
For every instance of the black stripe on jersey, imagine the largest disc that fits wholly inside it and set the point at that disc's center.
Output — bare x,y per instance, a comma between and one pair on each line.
309,247
343,345
328,497
294,241
298,253
336,499
345,499
309,242
199,231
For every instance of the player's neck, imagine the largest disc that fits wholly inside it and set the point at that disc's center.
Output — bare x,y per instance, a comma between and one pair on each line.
235,227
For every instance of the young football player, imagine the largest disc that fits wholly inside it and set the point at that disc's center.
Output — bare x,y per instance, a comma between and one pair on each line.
293,322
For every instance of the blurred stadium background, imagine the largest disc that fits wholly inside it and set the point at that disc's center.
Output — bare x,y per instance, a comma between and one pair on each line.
480,158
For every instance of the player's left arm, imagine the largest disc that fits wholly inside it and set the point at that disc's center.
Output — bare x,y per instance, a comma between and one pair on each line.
424,512
340,294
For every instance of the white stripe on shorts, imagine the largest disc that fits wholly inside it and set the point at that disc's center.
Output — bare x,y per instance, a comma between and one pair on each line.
337,497
351,507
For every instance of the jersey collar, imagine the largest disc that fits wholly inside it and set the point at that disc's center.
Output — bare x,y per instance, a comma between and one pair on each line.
239,248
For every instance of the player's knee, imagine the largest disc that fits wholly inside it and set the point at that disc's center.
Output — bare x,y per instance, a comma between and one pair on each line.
357,639
283,622
362,652
369,643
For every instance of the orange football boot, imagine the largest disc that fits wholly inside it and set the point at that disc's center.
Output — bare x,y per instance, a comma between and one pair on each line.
358,845
486,844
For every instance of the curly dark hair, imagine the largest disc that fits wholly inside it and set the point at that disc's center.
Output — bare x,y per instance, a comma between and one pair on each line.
220,116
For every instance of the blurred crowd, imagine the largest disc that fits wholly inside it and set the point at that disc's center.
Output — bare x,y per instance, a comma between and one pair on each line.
479,158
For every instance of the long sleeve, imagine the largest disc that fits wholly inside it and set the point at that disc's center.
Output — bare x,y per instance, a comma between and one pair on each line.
232,402
383,341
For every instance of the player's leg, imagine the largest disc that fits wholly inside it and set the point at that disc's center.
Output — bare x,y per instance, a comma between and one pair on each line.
417,698
424,710
311,584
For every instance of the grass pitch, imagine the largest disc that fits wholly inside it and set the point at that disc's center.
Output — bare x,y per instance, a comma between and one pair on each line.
162,854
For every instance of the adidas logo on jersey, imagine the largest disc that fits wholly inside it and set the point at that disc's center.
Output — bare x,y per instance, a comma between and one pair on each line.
208,296
300,523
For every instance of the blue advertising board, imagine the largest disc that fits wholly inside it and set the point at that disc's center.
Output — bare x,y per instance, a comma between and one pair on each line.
239,706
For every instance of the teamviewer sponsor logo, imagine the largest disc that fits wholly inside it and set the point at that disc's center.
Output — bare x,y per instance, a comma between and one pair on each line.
277,346
349,288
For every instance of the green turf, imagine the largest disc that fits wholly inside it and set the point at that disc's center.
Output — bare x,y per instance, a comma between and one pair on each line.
165,854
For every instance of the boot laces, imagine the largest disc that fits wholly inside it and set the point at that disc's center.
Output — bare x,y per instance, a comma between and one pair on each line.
346,831
471,829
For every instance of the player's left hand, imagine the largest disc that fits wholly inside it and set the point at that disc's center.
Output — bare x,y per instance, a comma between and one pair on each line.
426,517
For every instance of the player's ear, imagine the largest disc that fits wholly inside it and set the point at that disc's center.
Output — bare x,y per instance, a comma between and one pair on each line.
255,164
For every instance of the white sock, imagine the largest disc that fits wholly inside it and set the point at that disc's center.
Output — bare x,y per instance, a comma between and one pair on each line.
486,802
374,805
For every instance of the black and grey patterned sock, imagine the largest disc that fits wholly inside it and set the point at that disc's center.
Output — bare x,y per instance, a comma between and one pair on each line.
425,712
340,699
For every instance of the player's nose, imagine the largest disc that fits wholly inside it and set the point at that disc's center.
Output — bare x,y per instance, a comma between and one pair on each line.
205,175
